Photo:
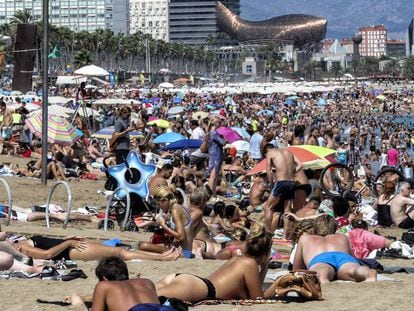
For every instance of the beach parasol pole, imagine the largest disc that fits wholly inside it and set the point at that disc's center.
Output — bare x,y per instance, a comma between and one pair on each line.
45,89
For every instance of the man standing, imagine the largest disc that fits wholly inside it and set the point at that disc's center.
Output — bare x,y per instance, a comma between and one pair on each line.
121,134
402,211
255,142
216,144
392,156
5,125
285,166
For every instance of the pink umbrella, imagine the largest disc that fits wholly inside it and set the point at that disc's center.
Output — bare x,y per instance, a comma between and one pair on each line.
228,134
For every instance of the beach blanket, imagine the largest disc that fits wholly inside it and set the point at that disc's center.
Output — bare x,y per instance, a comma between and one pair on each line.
380,277
240,302
48,273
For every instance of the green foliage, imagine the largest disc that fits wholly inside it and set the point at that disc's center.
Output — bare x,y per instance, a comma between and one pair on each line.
409,67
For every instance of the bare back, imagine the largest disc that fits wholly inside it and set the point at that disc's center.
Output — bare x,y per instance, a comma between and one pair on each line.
283,162
238,278
137,291
311,245
399,207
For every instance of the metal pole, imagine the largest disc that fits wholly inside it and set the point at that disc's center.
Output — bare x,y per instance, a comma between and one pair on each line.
45,88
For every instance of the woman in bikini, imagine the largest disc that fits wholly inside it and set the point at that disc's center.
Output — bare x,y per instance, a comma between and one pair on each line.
383,206
176,222
76,248
239,278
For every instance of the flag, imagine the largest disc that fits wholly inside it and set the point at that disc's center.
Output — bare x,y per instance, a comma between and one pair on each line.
55,53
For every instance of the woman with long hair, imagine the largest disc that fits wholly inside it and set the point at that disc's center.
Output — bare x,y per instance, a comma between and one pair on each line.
383,206
175,221
241,277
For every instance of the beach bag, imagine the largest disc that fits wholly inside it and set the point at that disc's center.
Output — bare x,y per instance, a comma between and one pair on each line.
113,141
408,237
161,237
303,282
204,145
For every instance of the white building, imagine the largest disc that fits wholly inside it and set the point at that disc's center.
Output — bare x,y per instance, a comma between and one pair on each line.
77,15
150,17
374,41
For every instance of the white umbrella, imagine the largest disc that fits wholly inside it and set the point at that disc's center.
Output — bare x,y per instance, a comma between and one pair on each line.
59,100
92,70
166,85
241,146
176,110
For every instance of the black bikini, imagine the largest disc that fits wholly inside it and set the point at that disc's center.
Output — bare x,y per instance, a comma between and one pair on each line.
211,290
47,243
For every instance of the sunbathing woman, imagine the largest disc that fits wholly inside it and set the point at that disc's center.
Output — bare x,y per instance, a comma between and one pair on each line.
76,248
239,278
175,220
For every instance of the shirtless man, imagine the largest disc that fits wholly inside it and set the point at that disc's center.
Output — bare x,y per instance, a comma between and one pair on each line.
5,126
257,193
285,166
114,283
161,178
309,209
330,257
402,212
302,190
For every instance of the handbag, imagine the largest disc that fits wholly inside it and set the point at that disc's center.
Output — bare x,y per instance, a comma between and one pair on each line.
161,237
303,282
113,141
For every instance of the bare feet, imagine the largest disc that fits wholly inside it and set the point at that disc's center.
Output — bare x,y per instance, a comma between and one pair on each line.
199,253
173,255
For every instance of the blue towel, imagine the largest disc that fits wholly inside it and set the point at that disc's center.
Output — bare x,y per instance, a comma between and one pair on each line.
112,242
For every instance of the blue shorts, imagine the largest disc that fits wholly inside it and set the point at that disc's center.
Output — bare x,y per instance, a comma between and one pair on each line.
284,189
187,253
335,259
150,307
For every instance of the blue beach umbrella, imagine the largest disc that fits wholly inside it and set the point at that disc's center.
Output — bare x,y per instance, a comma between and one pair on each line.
183,144
168,138
265,112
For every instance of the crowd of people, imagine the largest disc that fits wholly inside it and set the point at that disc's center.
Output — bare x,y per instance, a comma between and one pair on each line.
206,203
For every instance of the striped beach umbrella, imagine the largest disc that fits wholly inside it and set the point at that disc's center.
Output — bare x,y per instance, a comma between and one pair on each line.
59,130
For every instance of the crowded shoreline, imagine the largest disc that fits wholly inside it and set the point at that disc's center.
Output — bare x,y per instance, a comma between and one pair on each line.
223,188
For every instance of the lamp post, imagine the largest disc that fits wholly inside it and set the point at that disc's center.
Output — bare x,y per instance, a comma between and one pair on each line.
45,89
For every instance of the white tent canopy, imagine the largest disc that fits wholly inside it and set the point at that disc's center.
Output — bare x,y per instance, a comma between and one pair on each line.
92,71
70,80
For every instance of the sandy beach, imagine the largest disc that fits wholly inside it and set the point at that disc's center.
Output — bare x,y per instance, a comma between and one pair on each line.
18,294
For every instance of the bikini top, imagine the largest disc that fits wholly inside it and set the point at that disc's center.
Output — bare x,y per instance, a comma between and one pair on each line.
187,225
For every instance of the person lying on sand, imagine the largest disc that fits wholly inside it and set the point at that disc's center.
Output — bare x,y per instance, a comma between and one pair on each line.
8,262
112,273
329,254
239,278
77,248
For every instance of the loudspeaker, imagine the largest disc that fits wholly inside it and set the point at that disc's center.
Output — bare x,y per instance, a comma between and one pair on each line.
24,55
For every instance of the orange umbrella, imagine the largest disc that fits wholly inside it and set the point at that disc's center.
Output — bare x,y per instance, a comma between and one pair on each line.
310,160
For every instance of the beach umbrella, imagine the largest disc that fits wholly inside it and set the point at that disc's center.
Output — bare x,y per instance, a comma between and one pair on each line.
168,138
242,132
183,144
312,157
58,100
199,115
380,97
321,102
294,97
176,110
59,130
241,146
229,134
106,133
265,112
160,122
166,85
92,71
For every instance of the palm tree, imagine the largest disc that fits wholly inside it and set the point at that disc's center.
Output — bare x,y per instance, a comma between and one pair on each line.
22,17
336,69
82,58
